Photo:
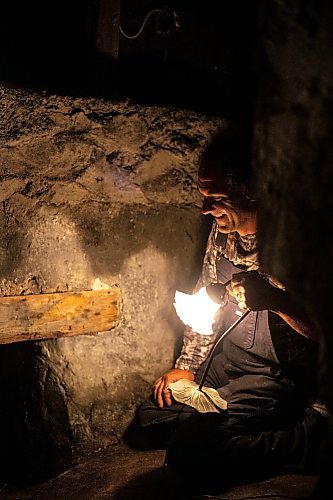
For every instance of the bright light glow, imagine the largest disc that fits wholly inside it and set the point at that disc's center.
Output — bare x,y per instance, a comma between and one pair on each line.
99,285
197,310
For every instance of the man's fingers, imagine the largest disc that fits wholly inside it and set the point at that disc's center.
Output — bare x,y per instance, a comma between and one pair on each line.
156,388
167,396
156,384
166,391
163,394
242,305
159,395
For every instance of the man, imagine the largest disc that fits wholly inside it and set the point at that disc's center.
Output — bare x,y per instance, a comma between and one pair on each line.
265,369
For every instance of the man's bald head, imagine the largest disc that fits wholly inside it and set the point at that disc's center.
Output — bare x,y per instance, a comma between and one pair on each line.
226,158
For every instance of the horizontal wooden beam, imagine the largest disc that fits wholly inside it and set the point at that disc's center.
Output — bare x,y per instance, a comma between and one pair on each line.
63,314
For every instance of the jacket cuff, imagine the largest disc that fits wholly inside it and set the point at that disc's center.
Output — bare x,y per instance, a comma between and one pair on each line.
185,365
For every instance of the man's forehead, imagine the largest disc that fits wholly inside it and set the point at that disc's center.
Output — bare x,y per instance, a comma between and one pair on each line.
214,183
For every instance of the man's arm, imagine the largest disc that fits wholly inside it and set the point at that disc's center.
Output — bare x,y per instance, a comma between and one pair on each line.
293,314
254,292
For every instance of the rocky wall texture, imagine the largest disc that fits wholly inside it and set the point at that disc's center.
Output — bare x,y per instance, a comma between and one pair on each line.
293,159
93,191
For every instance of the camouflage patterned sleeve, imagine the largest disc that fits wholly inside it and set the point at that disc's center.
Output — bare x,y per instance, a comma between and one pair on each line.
196,347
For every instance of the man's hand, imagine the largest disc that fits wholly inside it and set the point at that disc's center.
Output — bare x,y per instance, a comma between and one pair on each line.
161,391
252,291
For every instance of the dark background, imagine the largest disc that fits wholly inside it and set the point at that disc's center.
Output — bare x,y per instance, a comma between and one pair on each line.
192,54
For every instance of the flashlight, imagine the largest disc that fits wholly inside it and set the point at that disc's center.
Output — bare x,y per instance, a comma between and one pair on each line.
217,291
199,309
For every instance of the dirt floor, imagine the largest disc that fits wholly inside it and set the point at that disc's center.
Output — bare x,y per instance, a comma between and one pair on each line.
123,474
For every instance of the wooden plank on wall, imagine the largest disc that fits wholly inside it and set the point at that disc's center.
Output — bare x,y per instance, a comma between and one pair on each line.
52,315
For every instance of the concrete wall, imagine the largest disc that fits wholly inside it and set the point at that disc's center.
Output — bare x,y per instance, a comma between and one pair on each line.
94,190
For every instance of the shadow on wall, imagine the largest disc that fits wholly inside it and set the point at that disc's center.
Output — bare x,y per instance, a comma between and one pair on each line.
107,241
173,230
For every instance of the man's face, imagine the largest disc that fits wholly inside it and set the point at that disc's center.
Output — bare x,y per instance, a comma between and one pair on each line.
231,208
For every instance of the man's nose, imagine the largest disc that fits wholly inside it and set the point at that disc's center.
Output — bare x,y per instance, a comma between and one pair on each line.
207,206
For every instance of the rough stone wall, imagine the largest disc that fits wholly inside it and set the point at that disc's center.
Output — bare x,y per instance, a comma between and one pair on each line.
293,158
93,189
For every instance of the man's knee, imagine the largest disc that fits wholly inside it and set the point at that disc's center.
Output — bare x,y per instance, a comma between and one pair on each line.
153,427
198,444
